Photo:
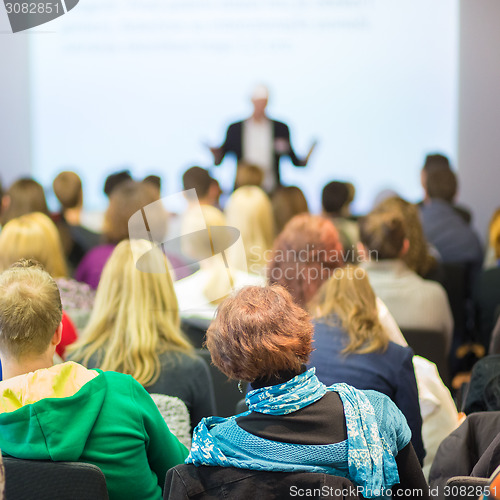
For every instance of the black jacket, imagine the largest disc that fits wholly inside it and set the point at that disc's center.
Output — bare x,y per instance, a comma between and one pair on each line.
185,482
234,144
460,451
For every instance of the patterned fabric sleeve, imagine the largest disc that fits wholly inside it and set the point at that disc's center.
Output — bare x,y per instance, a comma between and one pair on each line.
391,422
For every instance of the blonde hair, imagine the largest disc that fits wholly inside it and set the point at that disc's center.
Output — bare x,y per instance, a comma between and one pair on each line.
33,236
248,175
30,309
250,211
495,233
135,316
349,296
202,245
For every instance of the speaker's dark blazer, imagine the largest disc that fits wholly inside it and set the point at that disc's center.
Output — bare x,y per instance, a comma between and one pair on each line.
234,144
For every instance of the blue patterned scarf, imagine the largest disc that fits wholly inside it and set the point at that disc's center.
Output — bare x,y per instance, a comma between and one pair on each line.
370,461
297,393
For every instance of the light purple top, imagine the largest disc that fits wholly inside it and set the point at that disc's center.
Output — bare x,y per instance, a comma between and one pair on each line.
90,268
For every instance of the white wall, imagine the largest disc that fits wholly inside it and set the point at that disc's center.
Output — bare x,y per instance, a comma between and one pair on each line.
479,109
15,140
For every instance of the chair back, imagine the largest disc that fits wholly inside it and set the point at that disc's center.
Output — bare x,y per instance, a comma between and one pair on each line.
431,345
465,487
457,283
227,393
176,415
203,483
195,330
46,480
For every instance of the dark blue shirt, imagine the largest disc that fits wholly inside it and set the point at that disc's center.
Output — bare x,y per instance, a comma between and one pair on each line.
453,237
389,372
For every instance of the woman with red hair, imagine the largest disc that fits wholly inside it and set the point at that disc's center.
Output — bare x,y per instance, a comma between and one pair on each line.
304,256
294,423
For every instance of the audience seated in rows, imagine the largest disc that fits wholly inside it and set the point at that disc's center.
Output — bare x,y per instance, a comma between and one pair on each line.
414,302
135,329
438,412
122,333
67,412
295,423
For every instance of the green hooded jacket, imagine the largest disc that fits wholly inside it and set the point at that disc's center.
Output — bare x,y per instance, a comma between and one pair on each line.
69,413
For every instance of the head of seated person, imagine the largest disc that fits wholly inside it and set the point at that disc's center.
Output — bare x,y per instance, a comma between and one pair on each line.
348,301
382,235
24,196
418,258
304,256
248,175
439,181
206,188
126,200
250,211
114,180
260,333
129,339
335,199
29,335
33,236
67,187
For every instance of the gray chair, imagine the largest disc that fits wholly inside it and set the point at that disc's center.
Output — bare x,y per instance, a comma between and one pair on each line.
195,330
185,482
46,480
432,346
227,393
